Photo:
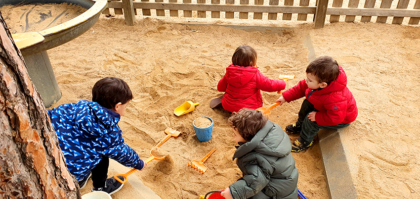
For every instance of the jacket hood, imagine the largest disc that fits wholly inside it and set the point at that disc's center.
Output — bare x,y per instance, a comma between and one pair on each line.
337,85
103,115
238,76
270,140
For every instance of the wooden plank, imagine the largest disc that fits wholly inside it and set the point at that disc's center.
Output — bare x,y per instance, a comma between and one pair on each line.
352,4
368,4
146,12
243,15
402,4
229,15
287,16
259,2
201,1
272,16
244,2
230,1
187,13
201,14
273,2
118,11
384,4
215,14
303,17
159,12
226,8
374,12
258,15
336,4
321,13
129,15
415,20
173,13
215,1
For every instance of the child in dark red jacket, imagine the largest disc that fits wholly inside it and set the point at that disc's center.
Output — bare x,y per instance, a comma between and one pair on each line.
243,81
329,104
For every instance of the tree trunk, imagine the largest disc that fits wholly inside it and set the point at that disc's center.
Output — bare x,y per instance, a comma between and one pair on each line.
31,162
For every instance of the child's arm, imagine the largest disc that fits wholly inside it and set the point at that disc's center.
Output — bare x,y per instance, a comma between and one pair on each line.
295,92
222,85
269,85
118,150
334,113
251,183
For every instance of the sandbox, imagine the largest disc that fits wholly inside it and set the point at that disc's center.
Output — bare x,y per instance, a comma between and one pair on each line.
167,64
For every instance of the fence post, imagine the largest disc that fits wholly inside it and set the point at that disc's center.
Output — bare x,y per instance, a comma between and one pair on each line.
321,13
129,15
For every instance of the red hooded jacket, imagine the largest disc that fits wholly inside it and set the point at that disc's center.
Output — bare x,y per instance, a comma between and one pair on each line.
335,102
242,87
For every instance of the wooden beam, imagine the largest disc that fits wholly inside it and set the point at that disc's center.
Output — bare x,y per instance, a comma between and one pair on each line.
415,20
287,16
336,4
321,13
368,4
384,4
374,12
352,4
402,4
303,17
226,8
129,15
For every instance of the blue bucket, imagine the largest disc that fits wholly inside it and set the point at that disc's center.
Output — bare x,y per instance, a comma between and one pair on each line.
204,134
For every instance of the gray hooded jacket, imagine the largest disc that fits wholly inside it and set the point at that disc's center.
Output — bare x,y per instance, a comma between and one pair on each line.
268,168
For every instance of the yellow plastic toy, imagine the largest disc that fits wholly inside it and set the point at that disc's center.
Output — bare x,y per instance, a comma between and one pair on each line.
185,108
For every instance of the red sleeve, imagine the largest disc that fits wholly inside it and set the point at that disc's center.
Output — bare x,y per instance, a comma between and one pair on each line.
334,114
295,92
221,86
269,85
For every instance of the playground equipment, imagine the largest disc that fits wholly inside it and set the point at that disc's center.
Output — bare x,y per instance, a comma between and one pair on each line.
34,45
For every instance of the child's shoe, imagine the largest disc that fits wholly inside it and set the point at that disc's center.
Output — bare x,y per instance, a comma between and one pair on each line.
84,181
111,185
294,128
300,144
216,102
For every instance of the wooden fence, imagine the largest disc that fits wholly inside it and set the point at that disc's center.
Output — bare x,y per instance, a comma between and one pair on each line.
256,9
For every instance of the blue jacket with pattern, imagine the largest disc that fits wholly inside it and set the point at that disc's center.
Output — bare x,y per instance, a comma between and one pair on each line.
87,132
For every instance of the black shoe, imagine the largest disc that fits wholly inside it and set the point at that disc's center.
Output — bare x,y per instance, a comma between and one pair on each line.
216,102
300,144
111,185
84,181
294,128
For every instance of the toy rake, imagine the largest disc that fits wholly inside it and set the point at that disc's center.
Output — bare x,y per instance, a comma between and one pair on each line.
199,165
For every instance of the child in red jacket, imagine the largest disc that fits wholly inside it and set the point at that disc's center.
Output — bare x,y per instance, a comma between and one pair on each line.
329,104
243,81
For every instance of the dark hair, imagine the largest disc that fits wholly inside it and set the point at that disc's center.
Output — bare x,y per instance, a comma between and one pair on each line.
244,56
324,68
109,91
247,122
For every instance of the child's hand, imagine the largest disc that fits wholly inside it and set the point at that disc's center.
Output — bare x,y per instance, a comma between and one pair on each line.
226,193
281,100
311,116
144,165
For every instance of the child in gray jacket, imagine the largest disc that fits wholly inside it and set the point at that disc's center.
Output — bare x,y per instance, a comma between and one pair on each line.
264,158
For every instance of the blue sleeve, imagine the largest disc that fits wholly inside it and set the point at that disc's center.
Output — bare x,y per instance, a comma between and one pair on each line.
118,150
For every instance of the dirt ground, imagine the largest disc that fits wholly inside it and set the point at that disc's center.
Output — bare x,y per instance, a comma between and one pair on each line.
166,64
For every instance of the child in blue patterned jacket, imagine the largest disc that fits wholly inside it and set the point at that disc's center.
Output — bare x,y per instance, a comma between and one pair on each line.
89,134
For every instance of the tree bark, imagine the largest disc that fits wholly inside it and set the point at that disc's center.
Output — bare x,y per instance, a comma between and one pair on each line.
31,162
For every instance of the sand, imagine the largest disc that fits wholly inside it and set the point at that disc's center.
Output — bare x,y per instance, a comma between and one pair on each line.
202,122
167,64
30,18
158,152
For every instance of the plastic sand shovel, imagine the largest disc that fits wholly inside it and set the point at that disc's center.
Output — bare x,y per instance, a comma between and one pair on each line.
199,165
213,195
153,156
171,133
185,108
285,78
267,111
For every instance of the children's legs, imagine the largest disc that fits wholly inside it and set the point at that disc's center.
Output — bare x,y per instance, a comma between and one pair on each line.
305,109
309,129
100,173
